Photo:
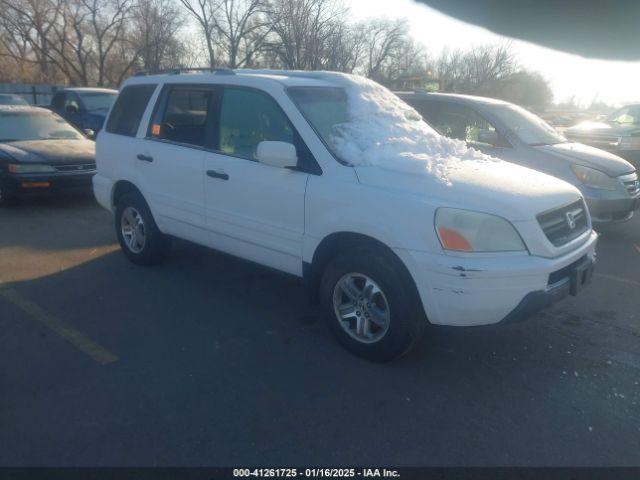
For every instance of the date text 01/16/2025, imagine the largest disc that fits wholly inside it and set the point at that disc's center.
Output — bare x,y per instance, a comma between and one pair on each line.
316,473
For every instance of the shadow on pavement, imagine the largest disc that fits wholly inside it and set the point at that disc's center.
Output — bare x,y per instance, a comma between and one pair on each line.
219,364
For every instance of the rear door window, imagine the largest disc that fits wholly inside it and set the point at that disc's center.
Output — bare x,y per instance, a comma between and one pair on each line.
128,110
183,118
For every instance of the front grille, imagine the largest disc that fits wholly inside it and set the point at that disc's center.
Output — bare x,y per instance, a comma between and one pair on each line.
75,168
607,142
631,184
562,225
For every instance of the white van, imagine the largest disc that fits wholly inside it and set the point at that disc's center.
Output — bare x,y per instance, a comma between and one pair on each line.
332,178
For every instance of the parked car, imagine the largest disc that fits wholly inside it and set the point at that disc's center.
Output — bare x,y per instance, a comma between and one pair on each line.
333,179
618,133
10,99
85,108
608,183
40,152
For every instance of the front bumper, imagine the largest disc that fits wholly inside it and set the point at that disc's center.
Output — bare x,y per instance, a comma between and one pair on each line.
568,281
33,184
485,289
612,210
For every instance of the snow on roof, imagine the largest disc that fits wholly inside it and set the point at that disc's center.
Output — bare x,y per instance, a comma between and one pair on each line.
384,131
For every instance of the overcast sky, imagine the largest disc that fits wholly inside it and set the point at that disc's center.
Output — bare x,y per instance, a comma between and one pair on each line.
612,82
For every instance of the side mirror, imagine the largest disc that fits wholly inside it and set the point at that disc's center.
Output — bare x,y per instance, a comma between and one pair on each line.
488,136
90,134
71,109
277,154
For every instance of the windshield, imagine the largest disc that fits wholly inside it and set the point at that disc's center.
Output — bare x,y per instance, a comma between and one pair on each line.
325,108
97,100
528,127
626,116
363,123
19,126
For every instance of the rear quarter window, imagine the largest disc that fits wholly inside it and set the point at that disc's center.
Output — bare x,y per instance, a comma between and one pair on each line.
128,110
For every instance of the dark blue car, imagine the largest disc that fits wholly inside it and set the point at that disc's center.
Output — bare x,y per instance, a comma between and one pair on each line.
85,108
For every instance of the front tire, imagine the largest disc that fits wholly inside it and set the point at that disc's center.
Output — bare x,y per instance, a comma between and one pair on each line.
371,304
140,239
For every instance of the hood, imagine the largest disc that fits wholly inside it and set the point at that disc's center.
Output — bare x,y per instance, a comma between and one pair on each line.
496,187
588,156
602,128
53,152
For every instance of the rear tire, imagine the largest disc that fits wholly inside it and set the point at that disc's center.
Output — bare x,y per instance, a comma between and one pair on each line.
371,304
140,239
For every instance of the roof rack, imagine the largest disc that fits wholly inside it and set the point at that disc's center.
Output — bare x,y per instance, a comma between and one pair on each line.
178,71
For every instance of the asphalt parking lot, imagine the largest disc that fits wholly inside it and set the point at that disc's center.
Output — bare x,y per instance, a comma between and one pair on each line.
210,360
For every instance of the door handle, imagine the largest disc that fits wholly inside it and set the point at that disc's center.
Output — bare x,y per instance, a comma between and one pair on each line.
214,174
145,158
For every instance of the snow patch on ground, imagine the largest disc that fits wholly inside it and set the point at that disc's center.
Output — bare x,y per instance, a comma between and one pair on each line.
386,132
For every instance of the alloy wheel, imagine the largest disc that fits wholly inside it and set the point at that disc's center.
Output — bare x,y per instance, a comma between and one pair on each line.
361,307
133,229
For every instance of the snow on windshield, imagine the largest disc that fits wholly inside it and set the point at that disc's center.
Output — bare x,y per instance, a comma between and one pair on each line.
384,131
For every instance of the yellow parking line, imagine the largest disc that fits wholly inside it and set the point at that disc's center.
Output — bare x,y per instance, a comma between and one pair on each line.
77,339
617,279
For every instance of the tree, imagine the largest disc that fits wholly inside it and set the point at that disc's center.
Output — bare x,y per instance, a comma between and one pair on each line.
480,70
526,88
384,39
204,11
344,48
26,31
241,28
302,30
154,36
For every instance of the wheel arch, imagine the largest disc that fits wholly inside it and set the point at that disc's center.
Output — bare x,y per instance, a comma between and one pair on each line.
122,187
336,242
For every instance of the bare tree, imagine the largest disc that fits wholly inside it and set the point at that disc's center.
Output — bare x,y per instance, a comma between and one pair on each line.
27,27
204,11
526,88
480,70
106,20
409,67
344,48
154,35
384,38
302,30
241,27
74,37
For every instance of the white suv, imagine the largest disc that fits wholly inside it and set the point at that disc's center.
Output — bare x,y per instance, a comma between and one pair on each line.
332,178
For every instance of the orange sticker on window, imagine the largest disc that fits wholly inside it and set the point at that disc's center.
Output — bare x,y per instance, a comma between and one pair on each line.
155,129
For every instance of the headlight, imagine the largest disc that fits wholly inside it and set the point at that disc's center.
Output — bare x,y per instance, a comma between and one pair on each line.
468,231
30,168
594,178
630,143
